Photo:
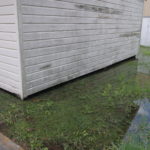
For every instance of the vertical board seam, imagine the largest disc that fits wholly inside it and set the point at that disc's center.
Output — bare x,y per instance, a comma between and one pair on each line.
20,47
140,30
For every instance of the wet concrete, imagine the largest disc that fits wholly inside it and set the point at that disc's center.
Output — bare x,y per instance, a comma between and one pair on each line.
7,144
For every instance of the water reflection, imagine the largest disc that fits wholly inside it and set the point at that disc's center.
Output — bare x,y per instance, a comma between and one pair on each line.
144,64
138,135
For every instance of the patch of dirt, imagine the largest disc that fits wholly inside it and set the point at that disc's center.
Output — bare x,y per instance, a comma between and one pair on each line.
3,126
52,146
29,119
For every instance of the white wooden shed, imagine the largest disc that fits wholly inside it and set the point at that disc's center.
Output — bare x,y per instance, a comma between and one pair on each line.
145,35
47,42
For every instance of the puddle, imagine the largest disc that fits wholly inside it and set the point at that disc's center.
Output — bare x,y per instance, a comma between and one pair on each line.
144,64
139,132
91,112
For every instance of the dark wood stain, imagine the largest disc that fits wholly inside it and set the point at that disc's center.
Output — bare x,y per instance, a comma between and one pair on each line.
129,34
92,8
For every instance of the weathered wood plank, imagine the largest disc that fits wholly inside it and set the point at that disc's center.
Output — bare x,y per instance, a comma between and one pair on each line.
66,39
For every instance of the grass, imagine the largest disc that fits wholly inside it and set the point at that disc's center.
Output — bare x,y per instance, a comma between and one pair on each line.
89,113
145,50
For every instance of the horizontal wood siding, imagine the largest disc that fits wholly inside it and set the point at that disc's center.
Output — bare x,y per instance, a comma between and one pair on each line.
9,53
65,39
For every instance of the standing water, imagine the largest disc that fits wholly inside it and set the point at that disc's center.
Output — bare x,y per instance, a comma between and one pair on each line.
90,113
138,135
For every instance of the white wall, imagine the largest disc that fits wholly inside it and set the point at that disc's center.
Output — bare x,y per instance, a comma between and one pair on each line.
66,39
9,52
145,35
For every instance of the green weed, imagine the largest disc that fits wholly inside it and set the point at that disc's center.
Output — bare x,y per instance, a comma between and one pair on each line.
89,113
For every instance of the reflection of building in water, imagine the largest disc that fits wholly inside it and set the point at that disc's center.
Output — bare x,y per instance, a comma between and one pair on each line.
143,76
144,64
138,133
137,136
